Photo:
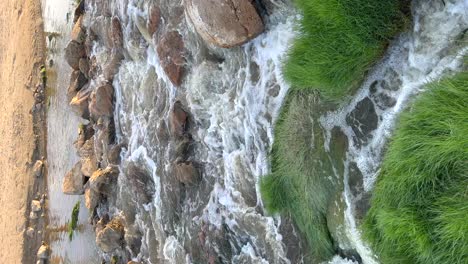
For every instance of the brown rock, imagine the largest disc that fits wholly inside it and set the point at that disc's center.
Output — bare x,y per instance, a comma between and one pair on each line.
186,173
171,52
111,237
73,181
84,67
91,198
225,23
79,103
101,103
78,33
103,177
178,120
111,66
73,53
154,19
79,11
89,163
116,33
38,168
77,82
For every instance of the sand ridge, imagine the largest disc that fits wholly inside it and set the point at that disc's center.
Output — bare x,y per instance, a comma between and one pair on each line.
21,54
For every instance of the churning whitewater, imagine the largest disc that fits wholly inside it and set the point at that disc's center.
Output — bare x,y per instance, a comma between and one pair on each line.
232,98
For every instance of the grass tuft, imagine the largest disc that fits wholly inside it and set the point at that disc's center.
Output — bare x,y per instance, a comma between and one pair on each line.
339,42
73,224
297,184
419,208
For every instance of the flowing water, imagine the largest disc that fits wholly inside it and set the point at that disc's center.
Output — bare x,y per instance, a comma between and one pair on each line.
233,97
62,131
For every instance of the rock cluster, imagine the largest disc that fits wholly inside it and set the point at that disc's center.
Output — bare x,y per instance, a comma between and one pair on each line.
91,96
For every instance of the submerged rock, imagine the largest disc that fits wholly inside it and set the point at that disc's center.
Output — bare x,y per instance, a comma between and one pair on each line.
363,120
154,20
178,120
187,173
111,237
171,52
73,181
225,23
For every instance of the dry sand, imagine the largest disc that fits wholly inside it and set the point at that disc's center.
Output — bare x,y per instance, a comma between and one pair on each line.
21,55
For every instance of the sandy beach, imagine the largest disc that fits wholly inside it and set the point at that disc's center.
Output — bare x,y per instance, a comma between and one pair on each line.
21,55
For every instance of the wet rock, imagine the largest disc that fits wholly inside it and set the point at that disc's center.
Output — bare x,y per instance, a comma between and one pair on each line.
84,67
91,198
225,23
78,33
73,181
38,169
80,103
154,20
336,222
111,66
171,52
361,206
88,158
114,154
79,11
355,179
102,178
363,120
116,33
44,251
187,173
101,102
77,81
73,53
36,206
384,101
178,120
133,262
141,182
111,237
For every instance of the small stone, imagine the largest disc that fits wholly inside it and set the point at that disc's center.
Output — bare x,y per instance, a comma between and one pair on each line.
30,232
36,206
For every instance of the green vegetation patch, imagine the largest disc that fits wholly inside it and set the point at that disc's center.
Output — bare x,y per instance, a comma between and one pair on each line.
339,41
302,182
73,224
419,208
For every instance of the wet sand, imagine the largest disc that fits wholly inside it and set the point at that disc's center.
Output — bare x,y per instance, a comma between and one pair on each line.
22,140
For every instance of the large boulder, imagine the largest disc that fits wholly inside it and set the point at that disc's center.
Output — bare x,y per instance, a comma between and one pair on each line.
187,173
101,103
111,237
101,179
80,103
171,52
78,33
73,53
77,82
225,23
91,198
363,120
73,181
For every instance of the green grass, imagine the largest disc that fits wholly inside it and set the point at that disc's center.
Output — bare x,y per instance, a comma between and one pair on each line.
297,185
339,41
419,208
73,224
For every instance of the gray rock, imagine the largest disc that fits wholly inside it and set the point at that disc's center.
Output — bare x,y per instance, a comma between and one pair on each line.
363,120
43,252
73,53
178,120
80,103
101,102
187,173
111,237
73,181
225,23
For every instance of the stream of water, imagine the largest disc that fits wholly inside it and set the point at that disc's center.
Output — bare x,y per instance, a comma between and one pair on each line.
233,97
